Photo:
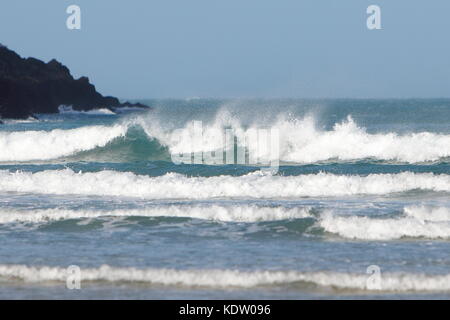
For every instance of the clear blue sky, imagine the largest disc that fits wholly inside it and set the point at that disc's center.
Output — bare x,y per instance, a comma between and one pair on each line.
241,48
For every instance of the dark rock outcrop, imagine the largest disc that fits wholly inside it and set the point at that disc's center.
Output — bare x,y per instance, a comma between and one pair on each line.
29,86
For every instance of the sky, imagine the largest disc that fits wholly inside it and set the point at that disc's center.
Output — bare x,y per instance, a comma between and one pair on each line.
241,48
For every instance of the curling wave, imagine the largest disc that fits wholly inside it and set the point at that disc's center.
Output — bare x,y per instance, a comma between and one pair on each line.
301,141
46,145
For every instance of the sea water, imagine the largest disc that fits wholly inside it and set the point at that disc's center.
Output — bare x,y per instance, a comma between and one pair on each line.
359,206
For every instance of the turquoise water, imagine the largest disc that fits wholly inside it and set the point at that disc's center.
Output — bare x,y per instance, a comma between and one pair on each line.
360,183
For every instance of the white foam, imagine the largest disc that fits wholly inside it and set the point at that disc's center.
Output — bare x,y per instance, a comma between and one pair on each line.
428,213
301,141
69,110
253,185
238,213
347,141
217,278
365,228
45,145
15,121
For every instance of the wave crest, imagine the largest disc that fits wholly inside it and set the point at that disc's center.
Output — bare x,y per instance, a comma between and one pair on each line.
225,278
300,141
235,213
46,145
417,222
254,185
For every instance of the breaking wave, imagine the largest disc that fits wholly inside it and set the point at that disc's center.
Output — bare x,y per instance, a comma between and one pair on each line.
220,278
253,185
417,222
300,141
428,213
46,145
414,222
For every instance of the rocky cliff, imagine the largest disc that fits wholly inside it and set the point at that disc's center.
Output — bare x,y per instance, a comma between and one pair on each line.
29,86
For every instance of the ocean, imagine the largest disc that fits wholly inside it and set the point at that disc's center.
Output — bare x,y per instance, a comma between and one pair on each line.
349,200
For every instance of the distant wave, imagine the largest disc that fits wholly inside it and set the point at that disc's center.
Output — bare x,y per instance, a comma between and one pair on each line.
70,110
300,141
226,278
254,185
16,121
235,213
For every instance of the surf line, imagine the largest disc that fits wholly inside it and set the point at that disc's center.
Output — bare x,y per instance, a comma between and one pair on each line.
255,147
